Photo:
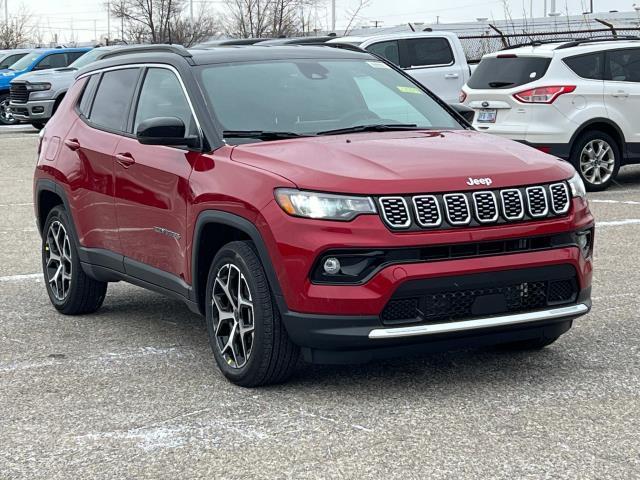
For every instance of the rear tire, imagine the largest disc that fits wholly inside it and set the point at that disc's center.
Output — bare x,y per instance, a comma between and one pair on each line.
596,157
70,290
246,333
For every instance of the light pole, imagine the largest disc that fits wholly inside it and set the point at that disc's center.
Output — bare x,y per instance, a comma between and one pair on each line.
6,12
333,15
108,22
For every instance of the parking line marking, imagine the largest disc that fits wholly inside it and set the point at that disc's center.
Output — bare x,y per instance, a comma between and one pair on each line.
21,278
615,223
16,204
622,202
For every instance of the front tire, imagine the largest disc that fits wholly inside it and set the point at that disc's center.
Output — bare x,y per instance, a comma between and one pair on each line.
246,334
70,290
6,118
596,157
38,125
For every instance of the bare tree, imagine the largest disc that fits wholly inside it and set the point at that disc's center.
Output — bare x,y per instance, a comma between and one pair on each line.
354,14
16,32
162,21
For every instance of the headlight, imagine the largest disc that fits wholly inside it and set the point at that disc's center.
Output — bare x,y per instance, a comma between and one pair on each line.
38,87
323,205
577,187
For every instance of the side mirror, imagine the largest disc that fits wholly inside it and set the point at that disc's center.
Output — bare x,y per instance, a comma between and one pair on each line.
169,131
464,111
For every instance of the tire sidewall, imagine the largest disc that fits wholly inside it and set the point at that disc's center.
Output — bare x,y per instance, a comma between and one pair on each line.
59,214
262,315
579,146
5,98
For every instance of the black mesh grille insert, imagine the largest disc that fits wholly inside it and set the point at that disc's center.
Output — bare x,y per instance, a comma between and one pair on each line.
427,211
537,201
559,197
485,206
394,211
457,208
512,204
18,93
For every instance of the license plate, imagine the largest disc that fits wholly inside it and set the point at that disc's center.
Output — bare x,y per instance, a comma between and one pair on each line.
487,115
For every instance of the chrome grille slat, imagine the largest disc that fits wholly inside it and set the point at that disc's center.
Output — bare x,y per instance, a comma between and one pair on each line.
18,93
427,210
485,206
395,212
537,201
457,208
560,199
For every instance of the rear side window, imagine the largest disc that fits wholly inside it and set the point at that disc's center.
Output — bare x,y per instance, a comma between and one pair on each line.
424,52
113,98
624,65
388,50
508,72
587,66
73,56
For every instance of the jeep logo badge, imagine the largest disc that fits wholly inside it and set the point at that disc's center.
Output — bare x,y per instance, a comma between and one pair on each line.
479,181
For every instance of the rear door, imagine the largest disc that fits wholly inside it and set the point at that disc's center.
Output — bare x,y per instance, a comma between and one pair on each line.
431,61
152,182
622,92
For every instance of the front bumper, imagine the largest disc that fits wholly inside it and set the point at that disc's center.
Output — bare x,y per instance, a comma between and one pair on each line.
38,110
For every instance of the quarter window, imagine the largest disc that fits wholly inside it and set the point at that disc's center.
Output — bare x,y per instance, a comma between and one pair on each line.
162,96
85,102
423,52
388,50
587,66
624,65
113,98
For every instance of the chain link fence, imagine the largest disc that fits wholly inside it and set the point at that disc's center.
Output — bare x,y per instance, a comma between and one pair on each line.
475,46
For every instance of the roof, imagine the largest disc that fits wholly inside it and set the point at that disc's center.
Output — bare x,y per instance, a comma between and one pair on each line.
390,36
565,48
250,53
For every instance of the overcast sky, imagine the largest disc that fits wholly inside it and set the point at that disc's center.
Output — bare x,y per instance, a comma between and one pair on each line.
87,16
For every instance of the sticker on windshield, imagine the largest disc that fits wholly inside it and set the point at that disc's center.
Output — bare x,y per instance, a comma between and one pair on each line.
405,89
378,65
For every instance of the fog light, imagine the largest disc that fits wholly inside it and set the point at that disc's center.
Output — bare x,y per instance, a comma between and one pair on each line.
37,109
584,242
331,266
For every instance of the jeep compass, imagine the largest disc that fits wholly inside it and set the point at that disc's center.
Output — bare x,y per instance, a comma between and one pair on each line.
308,201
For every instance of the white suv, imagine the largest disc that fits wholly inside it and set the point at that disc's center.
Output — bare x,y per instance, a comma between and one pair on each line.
578,100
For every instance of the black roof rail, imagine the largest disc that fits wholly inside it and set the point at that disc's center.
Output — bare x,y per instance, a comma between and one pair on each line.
536,43
603,38
161,48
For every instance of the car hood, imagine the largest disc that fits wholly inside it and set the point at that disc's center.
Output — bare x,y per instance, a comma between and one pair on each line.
403,162
7,75
51,75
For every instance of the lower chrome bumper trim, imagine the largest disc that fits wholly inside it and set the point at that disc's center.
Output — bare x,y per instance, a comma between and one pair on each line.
477,323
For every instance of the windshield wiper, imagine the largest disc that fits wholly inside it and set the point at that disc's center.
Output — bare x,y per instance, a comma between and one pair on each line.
500,84
378,127
261,134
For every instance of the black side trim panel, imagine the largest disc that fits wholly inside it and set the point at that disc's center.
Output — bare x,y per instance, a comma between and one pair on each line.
102,258
155,276
226,218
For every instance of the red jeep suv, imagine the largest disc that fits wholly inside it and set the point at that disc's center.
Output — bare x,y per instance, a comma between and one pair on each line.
306,199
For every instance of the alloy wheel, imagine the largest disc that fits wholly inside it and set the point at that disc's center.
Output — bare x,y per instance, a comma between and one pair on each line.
58,260
233,316
597,162
6,117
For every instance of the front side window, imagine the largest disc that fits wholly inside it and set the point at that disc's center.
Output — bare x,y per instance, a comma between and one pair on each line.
624,65
425,52
310,96
387,50
56,60
113,98
162,96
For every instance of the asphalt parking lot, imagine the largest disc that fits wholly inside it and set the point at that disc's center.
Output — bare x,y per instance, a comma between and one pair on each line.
133,391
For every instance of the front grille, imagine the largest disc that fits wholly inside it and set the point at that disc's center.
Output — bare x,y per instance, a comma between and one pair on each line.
475,208
18,93
457,207
559,197
395,211
537,201
482,295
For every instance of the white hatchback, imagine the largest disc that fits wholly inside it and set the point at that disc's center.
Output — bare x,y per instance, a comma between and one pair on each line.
578,100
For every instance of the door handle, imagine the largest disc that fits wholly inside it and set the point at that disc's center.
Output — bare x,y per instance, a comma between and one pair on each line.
451,75
125,159
620,93
72,144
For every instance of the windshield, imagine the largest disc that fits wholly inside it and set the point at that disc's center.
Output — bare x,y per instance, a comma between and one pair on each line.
25,61
309,96
87,58
508,71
